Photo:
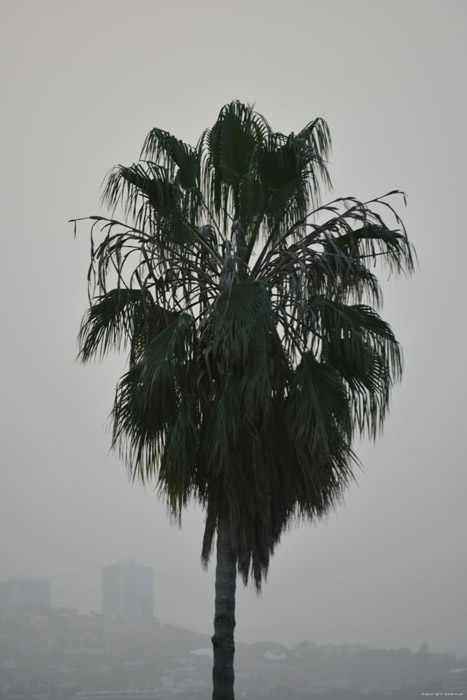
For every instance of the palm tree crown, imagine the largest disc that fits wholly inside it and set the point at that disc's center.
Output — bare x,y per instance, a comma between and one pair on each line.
249,310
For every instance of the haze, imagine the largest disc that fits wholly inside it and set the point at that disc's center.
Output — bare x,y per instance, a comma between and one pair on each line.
82,84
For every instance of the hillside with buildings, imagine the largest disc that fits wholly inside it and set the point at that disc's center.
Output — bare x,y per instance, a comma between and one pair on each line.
61,654
123,653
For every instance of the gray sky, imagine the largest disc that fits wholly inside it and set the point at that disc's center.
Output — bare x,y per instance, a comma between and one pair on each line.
82,83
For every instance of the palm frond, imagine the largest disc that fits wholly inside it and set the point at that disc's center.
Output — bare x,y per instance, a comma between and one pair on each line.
179,159
119,317
177,470
364,351
148,396
318,408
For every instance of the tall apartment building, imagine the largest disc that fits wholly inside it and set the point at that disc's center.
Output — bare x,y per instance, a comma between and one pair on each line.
128,591
25,593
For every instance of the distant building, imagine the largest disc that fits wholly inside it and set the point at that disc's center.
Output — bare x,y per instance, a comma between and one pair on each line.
128,591
25,593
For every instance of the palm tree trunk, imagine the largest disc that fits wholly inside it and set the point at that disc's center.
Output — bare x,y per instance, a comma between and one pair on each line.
224,615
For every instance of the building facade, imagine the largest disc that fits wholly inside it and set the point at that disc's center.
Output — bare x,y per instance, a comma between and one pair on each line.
25,593
128,591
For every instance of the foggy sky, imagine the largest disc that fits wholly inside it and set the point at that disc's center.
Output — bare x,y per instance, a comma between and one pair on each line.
82,84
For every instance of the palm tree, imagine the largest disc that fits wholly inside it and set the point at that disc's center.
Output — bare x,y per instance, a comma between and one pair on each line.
256,353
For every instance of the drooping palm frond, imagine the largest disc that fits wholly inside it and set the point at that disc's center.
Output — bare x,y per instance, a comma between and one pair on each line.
275,469
118,318
154,201
148,396
179,159
361,347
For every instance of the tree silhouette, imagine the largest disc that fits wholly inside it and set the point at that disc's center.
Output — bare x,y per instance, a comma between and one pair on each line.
256,352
